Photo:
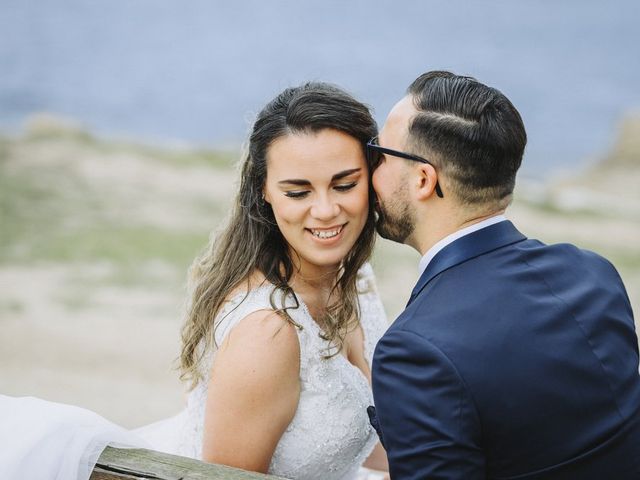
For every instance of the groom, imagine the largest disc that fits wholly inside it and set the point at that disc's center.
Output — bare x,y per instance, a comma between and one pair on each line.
513,359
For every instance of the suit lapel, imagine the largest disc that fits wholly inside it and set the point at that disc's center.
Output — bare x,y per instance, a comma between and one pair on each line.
472,245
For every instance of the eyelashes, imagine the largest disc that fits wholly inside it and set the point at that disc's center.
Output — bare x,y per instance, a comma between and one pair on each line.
303,193
296,194
345,187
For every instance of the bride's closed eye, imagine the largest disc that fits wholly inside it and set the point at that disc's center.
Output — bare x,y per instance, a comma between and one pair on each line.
297,194
344,187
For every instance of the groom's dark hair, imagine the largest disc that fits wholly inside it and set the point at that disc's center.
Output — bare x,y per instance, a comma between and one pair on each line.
471,132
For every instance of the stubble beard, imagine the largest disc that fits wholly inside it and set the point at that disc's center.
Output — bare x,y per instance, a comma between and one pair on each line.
395,217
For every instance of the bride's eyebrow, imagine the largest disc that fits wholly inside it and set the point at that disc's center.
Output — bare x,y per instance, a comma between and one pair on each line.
303,182
344,173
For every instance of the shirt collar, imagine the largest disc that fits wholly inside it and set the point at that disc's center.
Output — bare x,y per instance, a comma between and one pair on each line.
427,257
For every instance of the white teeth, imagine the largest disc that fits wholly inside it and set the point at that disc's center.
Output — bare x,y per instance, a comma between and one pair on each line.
326,233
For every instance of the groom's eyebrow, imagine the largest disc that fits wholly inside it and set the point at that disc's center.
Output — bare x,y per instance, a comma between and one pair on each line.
303,182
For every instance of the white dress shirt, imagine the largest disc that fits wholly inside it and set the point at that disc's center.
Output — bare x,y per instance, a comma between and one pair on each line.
427,257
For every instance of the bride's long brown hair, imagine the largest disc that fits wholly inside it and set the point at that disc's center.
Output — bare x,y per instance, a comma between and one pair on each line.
251,239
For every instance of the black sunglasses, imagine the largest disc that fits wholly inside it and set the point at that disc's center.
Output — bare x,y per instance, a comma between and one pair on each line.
373,157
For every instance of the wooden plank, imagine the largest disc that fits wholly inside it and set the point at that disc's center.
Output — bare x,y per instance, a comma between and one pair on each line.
141,464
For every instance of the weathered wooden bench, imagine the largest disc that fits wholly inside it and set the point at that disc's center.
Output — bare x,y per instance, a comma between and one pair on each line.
141,464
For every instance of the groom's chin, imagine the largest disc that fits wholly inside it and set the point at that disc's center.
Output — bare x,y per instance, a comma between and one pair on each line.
381,230
396,231
385,232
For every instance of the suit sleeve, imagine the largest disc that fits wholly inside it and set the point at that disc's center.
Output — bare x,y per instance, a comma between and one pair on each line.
427,418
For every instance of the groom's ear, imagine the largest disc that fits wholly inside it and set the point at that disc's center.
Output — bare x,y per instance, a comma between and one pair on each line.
425,181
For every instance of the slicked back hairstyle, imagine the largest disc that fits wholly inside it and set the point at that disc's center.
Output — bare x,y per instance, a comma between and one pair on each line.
472,133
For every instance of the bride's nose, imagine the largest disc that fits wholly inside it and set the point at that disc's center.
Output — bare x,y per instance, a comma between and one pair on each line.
324,208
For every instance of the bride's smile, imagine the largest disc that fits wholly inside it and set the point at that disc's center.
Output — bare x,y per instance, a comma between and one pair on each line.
317,185
326,233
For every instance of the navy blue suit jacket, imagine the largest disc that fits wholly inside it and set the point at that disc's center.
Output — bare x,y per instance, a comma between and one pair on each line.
513,359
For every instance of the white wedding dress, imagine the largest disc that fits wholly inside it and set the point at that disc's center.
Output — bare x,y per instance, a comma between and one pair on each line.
328,438
330,435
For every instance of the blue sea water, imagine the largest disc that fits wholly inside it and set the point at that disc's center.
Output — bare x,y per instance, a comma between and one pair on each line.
198,70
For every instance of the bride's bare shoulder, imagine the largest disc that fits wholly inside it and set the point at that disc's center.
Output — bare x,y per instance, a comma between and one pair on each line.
263,323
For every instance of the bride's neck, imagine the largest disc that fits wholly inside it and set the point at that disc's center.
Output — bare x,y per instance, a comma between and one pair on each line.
312,278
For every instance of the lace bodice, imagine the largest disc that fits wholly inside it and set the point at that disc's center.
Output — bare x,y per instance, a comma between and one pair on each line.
330,435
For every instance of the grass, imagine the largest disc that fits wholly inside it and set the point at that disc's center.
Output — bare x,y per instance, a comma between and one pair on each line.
627,260
11,306
118,244
51,215
26,212
41,224
172,156
549,207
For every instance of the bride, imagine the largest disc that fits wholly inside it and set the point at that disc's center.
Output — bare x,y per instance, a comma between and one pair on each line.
280,379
